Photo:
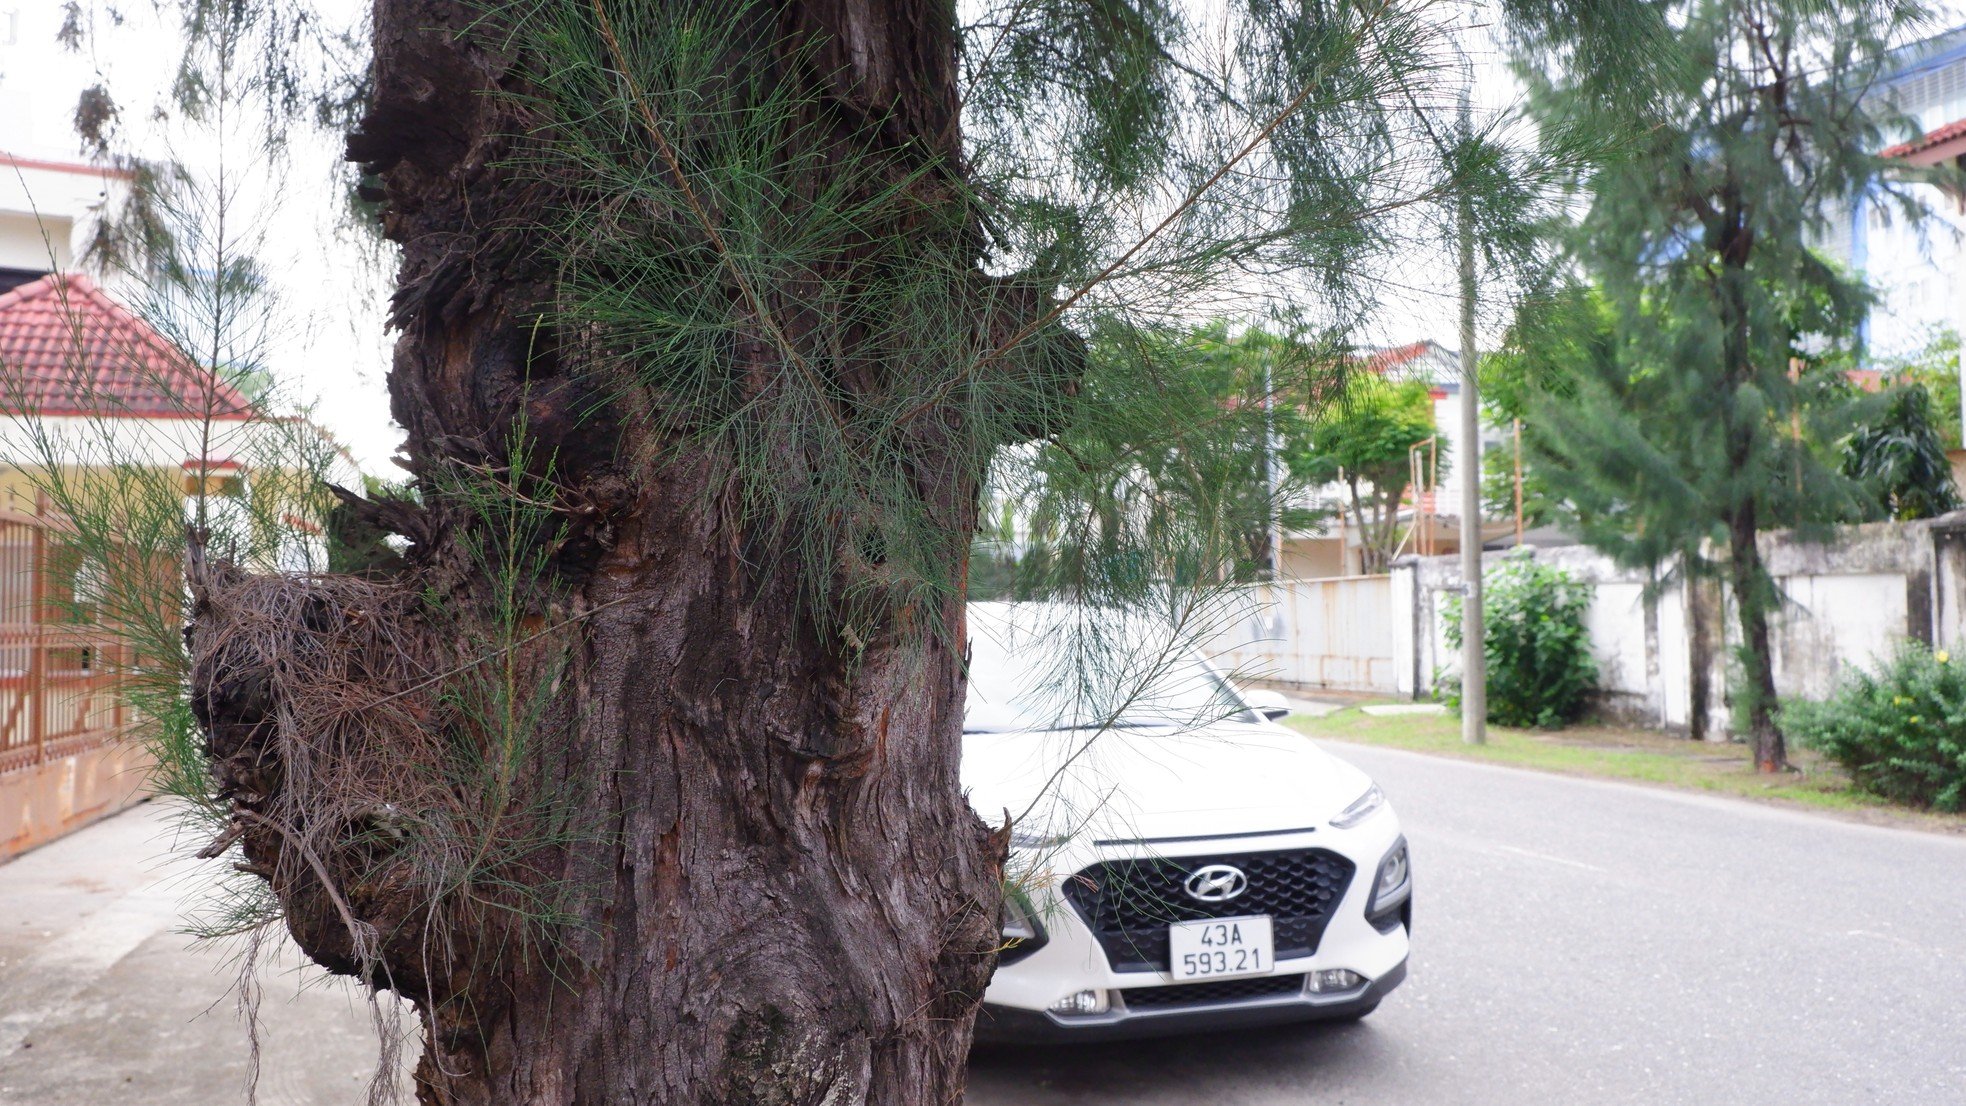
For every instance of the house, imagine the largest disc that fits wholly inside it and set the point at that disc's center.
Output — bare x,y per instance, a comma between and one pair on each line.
1916,268
1913,265
1430,521
50,211
93,393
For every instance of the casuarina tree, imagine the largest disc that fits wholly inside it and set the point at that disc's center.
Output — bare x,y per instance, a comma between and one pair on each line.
1708,409
633,764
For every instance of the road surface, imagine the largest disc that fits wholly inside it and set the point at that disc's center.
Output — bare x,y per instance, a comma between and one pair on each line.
1597,943
1577,942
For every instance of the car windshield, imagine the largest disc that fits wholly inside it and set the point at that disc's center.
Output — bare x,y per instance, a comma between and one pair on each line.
1053,671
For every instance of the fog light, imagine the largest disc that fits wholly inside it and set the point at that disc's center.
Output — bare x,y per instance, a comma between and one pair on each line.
1333,980
1082,1002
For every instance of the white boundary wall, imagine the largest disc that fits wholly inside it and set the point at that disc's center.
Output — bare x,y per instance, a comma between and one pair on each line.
1663,645
1334,633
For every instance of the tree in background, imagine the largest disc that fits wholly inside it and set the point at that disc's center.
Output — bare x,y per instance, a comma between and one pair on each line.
1552,339
1712,414
1223,446
1897,447
1899,450
1898,455
1364,439
1935,367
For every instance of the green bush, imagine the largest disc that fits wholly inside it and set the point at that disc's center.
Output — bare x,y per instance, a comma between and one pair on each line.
1900,732
1540,669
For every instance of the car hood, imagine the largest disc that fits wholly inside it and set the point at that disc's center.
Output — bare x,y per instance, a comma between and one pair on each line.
1155,783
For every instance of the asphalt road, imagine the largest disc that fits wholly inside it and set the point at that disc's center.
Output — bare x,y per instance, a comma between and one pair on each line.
1597,943
1577,942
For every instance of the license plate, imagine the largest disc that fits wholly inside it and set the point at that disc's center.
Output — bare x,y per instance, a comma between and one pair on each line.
1221,947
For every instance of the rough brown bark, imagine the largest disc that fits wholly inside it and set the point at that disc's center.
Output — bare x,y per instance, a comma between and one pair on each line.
1733,241
777,893
1706,618
1750,584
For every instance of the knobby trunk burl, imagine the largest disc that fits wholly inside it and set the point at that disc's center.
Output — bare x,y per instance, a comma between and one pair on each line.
730,861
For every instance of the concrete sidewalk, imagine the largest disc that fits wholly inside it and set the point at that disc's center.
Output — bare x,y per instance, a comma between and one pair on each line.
103,999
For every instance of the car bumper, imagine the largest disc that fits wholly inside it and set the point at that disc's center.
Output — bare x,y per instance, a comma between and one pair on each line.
1068,959
1011,1025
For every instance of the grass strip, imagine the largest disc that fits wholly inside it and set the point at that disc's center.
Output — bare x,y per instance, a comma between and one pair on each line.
1636,756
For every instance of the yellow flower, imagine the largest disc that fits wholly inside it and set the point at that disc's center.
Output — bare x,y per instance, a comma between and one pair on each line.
1915,720
1942,656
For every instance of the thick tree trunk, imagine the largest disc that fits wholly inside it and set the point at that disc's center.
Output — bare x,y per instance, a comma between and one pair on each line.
764,883
788,906
1754,593
1752,601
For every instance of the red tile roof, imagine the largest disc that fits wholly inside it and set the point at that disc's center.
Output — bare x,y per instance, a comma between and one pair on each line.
66,348
1391,358
1952,130
1870,380
15,161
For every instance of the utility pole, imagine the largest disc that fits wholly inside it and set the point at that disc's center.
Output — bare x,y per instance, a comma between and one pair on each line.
1474,662
1518,483
1272,509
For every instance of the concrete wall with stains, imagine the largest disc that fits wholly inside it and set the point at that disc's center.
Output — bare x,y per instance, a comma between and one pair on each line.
1664,644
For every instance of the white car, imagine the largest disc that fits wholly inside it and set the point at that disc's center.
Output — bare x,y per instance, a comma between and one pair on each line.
1179,861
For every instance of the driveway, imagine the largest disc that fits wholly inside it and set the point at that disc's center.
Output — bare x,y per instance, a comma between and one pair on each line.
1576,942
103,1000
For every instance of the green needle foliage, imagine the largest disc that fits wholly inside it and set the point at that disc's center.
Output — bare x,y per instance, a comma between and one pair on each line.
1191,453
1710,400
1129,167
1552,340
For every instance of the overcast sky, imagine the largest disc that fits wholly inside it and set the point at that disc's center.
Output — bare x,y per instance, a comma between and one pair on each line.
331,350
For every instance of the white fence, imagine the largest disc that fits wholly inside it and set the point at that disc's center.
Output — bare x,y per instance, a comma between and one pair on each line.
1663,644
1332,633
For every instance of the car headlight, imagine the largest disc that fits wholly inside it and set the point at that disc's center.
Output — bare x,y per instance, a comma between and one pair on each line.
1365,806
1018,922
1395,882
1022,935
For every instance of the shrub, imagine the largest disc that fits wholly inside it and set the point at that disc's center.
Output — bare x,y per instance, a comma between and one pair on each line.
1900,732
1540,669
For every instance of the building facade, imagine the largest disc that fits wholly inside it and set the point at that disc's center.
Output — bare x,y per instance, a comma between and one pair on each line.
1914,264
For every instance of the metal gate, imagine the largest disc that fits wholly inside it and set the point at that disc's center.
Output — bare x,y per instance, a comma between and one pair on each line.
57,683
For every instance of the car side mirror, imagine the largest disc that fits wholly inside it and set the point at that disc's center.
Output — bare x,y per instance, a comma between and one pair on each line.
1270,704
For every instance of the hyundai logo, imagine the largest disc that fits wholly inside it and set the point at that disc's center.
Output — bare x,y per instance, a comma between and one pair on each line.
1216,883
